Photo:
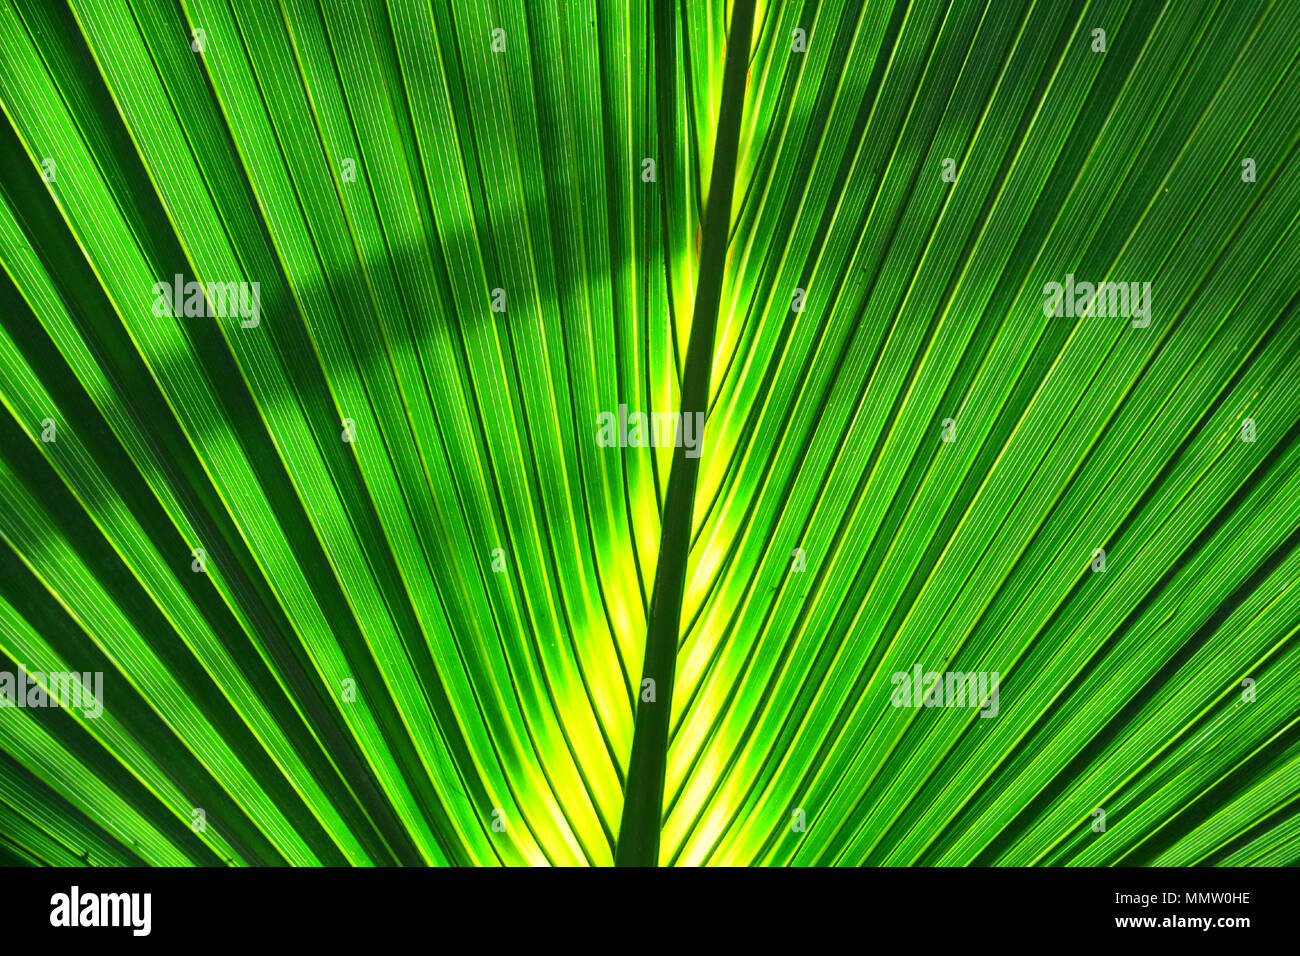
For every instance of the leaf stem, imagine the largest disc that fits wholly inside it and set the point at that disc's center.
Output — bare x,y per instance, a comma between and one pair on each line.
638,837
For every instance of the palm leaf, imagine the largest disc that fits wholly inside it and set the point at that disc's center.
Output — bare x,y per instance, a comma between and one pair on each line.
366,586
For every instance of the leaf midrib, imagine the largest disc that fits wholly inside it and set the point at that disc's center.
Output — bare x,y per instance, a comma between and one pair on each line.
638,838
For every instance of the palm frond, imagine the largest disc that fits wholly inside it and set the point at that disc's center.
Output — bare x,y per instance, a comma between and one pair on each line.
366,584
